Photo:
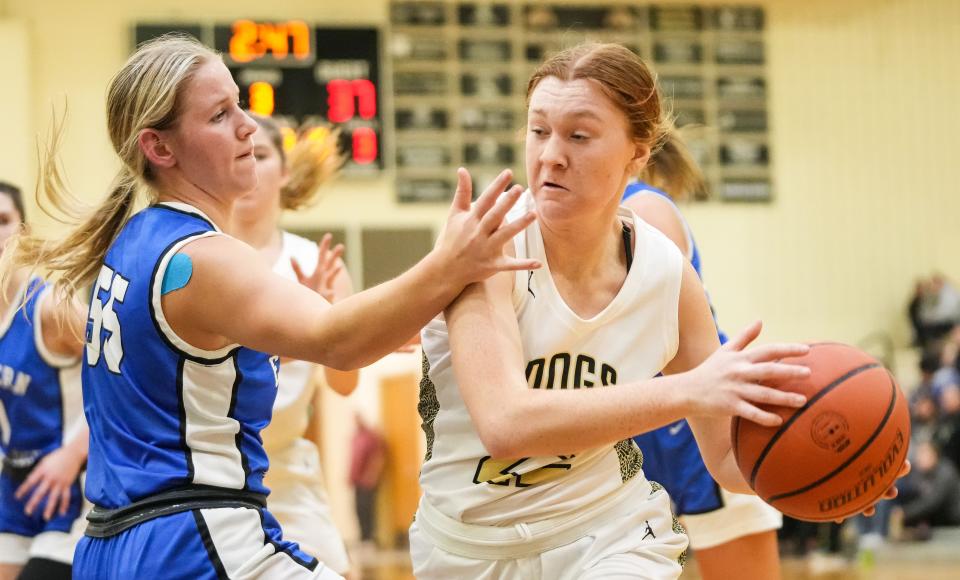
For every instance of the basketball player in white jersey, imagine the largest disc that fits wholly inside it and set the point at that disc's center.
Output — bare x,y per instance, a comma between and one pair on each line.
534,384
290,180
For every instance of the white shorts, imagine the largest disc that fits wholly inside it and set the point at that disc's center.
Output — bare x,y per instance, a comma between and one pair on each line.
741,515
637,538
299,502
56,546
306,520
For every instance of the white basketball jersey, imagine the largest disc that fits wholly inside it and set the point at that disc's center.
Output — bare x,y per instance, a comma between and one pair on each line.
295,390
632,339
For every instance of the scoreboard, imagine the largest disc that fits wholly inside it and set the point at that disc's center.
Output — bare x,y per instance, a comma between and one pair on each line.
303,75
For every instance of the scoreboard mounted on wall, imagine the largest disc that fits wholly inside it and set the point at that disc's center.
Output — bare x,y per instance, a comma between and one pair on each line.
302,74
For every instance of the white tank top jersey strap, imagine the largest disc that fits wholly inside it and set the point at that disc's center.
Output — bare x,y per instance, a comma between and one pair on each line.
298,497
633,338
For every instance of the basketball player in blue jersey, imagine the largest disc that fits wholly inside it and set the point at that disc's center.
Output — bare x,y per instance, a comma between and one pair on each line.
43,438
733,535
186,325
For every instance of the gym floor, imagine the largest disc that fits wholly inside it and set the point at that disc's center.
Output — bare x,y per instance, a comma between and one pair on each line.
937,559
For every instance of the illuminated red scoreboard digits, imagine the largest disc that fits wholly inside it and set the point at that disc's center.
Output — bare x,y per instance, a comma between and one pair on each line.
347,100
304,75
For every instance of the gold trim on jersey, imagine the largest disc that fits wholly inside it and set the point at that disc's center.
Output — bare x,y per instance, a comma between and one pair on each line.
677,526
428,407
630,457
508,472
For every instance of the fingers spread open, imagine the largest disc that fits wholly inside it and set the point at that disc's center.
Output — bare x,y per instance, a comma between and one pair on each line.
752,413
509,230
464,193
777,351
65,501
771,372
494,218
514,264
297,270
37,497
492,193
769,396
53,501
748,335
28,484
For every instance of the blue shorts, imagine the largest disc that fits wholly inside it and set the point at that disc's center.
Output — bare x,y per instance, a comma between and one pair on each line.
13,520
198,544
23,537
671,458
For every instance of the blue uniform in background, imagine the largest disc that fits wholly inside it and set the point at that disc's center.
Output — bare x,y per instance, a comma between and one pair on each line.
671,455
39,403
175,442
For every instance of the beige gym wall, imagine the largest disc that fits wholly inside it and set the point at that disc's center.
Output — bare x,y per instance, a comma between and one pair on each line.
864,122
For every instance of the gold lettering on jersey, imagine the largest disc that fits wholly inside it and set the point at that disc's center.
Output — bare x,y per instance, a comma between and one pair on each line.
509,472
559,369
13,380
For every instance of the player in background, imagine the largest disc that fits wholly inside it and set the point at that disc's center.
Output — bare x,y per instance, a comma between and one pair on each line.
43,437
290,180
732,535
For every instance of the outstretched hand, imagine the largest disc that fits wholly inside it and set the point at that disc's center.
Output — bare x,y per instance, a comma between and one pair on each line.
473,239
325,272
733,380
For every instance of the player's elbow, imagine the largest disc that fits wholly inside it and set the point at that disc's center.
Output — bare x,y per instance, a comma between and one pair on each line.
342,382
504,433
499,446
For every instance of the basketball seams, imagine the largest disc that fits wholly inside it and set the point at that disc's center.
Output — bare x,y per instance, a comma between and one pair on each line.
852,458
809,404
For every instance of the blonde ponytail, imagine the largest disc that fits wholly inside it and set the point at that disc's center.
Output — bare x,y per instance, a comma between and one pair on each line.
143,94
312,161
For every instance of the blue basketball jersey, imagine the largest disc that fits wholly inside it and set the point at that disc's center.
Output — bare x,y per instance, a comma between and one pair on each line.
36,405
639,187
671,453
164,414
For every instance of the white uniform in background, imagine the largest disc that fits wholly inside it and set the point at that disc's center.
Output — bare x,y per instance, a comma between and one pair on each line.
297,497
588,515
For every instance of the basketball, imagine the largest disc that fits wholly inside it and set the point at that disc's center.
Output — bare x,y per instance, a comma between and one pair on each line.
838,453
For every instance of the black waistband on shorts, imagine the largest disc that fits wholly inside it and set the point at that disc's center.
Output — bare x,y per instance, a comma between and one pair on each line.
18,466
103,522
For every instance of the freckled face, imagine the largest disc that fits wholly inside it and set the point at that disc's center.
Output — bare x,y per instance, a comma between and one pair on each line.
579,149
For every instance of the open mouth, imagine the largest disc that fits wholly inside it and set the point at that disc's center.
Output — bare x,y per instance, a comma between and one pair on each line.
553,185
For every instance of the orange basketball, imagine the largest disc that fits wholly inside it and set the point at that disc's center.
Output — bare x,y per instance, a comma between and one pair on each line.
841,451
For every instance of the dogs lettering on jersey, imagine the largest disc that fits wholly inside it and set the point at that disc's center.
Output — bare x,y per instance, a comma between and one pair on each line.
558,372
